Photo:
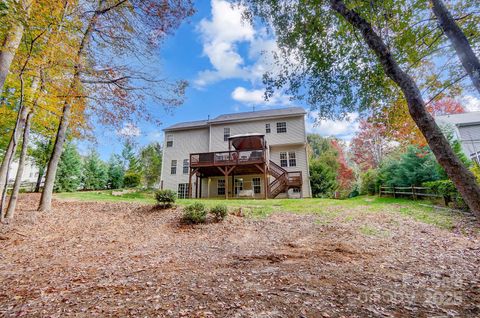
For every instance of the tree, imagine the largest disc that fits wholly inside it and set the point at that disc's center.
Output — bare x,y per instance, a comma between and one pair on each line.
414,167
370,145
18,12
350,57
345,174
460,43
120,25
131,162
69,176
40,154
116,172
324,166
95,172
151,161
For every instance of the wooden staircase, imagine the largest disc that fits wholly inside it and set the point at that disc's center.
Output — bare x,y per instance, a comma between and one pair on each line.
284,180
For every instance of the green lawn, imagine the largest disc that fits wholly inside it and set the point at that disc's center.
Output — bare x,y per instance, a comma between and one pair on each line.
324,208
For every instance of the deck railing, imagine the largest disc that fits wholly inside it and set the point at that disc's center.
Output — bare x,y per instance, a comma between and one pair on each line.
222,158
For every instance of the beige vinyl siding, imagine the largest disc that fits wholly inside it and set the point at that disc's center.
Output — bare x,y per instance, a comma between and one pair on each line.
470,136
295,131
184,143
247,185
301,163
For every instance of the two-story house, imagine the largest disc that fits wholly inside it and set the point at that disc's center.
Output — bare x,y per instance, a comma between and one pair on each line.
260,154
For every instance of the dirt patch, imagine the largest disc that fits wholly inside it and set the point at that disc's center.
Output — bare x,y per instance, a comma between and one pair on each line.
116,259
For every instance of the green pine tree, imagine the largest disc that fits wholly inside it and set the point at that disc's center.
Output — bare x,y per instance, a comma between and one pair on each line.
95,172
69,173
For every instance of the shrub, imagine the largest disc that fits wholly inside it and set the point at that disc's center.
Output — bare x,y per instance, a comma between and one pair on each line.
220,212
165,197
194,213
368,182
131,180
446,189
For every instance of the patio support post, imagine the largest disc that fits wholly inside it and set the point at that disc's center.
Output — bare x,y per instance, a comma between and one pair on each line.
265,181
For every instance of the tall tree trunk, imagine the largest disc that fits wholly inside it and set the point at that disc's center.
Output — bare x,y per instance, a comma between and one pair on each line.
11,148
46,198
463,179
459,41
41,171
21,165
11,43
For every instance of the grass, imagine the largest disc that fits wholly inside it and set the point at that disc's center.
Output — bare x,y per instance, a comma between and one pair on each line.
325,208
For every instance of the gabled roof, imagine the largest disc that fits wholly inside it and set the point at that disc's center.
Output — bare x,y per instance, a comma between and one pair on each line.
261,113
460,119
281,112
188,125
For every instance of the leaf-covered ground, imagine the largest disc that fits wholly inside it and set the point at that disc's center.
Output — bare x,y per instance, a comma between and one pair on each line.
119,259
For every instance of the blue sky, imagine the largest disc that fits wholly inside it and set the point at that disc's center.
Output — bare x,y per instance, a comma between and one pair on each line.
223,59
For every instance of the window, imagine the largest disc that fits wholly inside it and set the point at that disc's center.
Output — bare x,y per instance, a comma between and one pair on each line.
182,191
267,128
238,185
226,134
475,157
292,159
281,127
173,167
169,141
221,187
256,185
186,165
283,159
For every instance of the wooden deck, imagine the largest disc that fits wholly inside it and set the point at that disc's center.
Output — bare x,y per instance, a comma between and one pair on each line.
227,158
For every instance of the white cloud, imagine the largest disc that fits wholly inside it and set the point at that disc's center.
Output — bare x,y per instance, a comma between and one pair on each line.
155,136
129,130
220,37
257,97
471,103
343,129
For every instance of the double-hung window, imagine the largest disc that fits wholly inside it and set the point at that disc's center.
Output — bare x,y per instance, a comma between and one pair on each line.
281,127
267,128
185,166
221,187
256,185
173,167
169,141
292,159
283,159
226,133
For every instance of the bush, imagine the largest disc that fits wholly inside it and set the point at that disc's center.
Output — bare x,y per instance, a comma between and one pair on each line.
220,212
194,213
446,189
165,197
131,180
368,182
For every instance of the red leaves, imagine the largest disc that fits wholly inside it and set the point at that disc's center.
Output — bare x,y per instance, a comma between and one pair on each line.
345,176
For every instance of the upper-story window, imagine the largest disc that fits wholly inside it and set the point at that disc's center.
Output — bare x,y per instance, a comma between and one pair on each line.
173,167
169,140
226,133
267,128
185,166
292,159
281,127
475,157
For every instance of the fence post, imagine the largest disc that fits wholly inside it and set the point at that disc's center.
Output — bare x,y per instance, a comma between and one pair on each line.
393,190
414,194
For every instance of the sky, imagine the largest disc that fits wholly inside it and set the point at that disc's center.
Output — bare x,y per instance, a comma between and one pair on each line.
223,59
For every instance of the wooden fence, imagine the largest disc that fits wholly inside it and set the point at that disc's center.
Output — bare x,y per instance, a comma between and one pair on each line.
412,191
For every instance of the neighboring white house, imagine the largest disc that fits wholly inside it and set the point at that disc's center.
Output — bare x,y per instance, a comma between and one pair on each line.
252,154
30,172
467,130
